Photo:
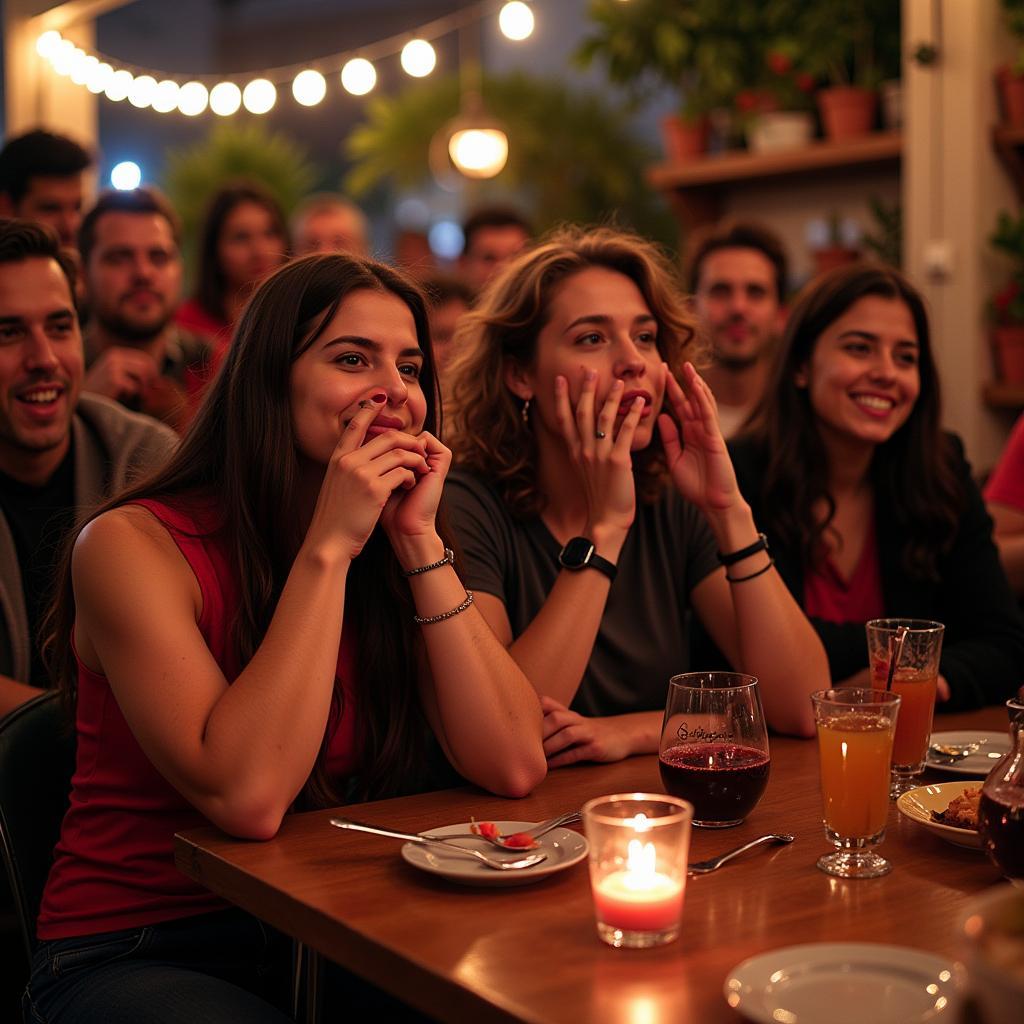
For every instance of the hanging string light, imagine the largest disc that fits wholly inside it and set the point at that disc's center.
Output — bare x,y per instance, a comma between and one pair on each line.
163,93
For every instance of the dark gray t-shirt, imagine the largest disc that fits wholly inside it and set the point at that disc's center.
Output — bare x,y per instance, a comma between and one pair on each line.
642,641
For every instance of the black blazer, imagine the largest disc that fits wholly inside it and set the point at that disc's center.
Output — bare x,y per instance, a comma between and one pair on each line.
983,647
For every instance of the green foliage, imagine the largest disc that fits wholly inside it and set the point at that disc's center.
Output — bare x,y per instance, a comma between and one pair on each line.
1013,15
886,241
1007,305
232,151
572,157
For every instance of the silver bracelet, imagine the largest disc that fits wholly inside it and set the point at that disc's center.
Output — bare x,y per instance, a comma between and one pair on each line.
449,559
426,620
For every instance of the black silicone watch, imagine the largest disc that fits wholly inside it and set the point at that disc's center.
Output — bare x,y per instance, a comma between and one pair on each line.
579,553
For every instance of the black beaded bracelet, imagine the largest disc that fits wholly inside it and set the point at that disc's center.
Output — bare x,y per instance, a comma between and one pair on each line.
449,559
761,544
753,575
426,620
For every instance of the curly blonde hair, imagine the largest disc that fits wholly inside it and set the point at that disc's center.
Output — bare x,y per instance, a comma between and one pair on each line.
488,432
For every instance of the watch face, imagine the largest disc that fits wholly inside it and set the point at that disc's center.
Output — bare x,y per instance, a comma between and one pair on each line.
576,553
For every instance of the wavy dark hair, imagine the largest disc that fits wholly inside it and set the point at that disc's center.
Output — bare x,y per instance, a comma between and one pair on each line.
240,450
488,433
913,473
211,285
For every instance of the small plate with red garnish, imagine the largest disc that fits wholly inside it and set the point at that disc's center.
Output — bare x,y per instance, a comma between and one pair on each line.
563,848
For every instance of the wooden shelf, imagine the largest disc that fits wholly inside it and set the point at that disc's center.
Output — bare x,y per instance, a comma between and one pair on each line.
695,187
1009,146
1003,396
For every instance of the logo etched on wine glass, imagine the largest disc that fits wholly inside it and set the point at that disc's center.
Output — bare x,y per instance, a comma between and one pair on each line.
714,746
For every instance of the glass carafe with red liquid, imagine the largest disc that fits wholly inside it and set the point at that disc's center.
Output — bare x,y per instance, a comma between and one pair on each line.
1001,812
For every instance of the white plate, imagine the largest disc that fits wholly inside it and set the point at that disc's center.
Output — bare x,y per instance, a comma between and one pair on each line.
845,983
918,804
980,763
563,847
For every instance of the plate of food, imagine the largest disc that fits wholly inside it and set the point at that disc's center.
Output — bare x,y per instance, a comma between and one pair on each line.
949,810
985,748
845,983
563,848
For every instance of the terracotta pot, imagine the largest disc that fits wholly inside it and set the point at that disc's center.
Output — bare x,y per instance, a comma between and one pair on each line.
1008,343
832,257
683,139
777,130
1011,97
847,112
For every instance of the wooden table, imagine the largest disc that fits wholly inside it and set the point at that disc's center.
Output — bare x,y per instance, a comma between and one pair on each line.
531,953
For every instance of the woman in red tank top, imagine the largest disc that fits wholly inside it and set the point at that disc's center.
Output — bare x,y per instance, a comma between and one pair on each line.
273,619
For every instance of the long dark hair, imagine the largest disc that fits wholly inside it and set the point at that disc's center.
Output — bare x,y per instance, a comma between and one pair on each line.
913,472
211,284
240,450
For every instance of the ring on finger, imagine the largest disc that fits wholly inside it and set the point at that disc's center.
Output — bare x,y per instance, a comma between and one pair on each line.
600,435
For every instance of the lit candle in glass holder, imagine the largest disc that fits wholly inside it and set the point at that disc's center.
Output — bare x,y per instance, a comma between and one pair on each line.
639,845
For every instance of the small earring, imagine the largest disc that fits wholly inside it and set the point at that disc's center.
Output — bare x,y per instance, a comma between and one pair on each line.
525,412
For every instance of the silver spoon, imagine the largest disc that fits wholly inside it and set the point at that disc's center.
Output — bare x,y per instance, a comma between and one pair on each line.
538,830
953,752
703,867
498,865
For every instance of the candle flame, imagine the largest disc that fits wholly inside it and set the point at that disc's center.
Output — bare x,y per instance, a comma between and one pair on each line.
641,860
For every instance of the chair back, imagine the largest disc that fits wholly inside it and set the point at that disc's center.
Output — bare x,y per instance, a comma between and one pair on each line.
37,759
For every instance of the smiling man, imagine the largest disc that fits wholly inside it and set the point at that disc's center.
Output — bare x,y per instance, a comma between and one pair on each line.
60,451
129,244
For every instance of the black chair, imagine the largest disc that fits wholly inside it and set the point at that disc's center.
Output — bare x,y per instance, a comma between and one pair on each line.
37,759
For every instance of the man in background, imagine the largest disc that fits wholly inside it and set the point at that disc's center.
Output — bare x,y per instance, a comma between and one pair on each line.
326,222
61,451
737,277
135,353
41,180
492,236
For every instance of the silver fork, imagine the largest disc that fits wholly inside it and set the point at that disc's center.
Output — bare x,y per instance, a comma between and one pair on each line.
409,837
703,867
538,830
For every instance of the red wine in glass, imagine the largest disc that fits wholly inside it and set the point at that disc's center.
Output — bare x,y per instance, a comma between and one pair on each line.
1001,824
723,781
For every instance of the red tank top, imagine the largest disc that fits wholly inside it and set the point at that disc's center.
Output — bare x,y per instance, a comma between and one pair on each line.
114,864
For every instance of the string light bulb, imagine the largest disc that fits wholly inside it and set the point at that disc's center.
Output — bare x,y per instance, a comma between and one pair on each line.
47,43
225,98
516,21
119,86
99,77
192,99
309,87
165,96
259,96
63,57
479,152
142,91
418,58
358,76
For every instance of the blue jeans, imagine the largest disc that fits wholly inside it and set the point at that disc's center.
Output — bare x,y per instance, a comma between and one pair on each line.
221,967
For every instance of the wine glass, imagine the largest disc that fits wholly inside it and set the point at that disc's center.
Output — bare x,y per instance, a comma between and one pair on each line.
714,746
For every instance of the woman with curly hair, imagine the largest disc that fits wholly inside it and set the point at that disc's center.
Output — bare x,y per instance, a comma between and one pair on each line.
593,491
869,506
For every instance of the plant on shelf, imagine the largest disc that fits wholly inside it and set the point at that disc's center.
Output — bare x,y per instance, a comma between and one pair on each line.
886,240
853,45
1010,77
777,113
1006,308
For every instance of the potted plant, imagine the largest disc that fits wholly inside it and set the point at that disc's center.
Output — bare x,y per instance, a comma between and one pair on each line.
854,45
1010,78
1006,308
779,113
706,50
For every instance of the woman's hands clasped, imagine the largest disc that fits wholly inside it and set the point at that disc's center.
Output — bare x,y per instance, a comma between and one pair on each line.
698,460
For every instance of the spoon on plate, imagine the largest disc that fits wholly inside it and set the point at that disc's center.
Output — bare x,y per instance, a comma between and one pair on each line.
502,842
953,752
409,837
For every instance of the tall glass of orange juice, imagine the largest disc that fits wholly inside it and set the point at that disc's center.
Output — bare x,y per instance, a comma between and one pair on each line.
856,727
917,672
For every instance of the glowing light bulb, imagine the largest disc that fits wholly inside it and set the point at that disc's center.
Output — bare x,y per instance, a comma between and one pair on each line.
192,98
516,20
63,57
47,43
309,87
418,58
99,77
358,76
259,96
81,68
225,98
479,152
119,86
126,175
142,91
165,96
